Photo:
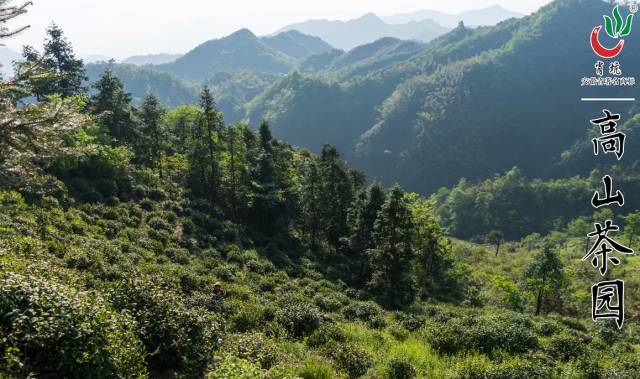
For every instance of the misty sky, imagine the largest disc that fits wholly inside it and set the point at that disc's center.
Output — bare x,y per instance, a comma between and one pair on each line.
120,28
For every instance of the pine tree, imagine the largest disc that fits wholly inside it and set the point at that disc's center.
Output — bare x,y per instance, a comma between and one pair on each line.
310,196
31,137
267,197
113,106
197,154
236,169
212,122
152,131
391,280
336,195
58,59
362,218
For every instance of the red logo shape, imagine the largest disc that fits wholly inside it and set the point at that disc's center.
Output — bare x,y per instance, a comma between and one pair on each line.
601,50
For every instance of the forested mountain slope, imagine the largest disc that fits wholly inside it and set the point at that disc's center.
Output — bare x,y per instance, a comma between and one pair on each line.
240,50
296,44
420,135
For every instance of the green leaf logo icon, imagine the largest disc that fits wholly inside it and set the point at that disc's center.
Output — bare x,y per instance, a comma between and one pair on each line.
608,26
618,17
616,27
627,26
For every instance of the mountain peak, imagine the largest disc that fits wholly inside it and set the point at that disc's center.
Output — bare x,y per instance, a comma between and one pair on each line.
242,33
371,17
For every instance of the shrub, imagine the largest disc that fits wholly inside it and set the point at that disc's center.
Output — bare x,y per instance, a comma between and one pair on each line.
226,273
412,323
398,332
508,332
547,328
49,325
368,312
158,223
479,367
248,316
623,366
298,317
518,369
231,367
350,359
325,334
267,284
608,332
566,346
139,192
329,303
255,348
146,204
178,255
439,313
167,327
157,194
399,368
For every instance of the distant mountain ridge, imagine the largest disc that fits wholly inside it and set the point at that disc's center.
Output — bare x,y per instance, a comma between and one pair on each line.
151,59
362,60
366,29
296,44
478,17
243,50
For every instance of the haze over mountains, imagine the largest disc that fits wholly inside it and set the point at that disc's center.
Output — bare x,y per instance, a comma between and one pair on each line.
423,25
477,17
152,59
368,28
244,50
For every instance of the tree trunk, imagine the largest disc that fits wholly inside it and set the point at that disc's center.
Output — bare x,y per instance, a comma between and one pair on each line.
539,301
540,297
234,185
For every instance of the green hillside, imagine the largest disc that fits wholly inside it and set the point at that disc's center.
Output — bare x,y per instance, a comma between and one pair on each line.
141,240
297,45
240,50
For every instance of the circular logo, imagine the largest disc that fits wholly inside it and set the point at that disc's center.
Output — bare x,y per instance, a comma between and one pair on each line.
633,7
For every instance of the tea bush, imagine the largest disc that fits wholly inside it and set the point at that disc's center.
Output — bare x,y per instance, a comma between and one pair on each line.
325,334
479,367
507,332
255,348
167,327
47,325
230,367
298,317
565,346
399,368
368,312
350,359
